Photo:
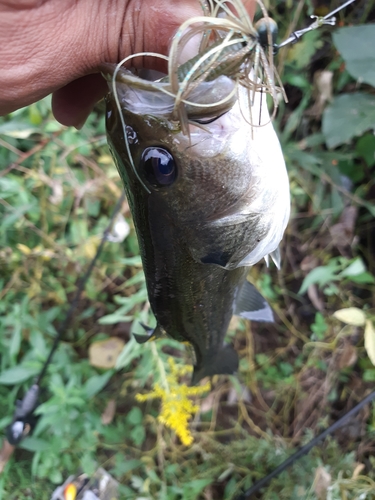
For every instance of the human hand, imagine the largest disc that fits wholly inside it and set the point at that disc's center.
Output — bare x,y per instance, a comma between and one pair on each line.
55,46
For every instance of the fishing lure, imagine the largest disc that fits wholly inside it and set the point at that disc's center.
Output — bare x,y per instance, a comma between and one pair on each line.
231,47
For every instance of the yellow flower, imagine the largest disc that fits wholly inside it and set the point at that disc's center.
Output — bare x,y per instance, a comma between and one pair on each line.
176,407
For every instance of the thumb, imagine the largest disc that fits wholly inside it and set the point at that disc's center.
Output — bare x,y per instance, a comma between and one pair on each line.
132,27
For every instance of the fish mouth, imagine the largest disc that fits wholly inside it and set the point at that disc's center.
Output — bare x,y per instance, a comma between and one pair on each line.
148,93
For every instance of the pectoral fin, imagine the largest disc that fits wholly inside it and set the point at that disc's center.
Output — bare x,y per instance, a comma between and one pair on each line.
219,258
223,362
250,304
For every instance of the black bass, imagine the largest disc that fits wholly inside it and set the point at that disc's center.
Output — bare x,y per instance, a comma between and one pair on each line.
206,207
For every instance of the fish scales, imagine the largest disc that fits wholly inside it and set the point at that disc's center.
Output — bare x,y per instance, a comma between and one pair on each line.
217,202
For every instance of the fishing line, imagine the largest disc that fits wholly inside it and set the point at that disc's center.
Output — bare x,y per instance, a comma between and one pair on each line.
115,94
215,52
130,79
305,449
20,427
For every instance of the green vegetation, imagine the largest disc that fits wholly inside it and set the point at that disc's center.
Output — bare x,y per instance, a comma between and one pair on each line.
57,192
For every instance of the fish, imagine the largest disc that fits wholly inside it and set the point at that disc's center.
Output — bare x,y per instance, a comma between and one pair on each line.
206,206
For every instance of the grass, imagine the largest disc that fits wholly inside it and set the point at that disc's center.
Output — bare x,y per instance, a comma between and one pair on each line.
57,190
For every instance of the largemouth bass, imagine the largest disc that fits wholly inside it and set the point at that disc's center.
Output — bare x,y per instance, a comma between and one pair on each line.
206,206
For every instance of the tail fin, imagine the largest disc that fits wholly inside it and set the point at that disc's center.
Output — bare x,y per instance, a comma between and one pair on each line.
223,362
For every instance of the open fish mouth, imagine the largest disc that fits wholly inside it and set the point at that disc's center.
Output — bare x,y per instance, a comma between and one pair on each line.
145,95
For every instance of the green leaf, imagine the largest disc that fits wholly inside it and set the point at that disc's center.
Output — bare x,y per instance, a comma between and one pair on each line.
349,115
14,215
355,268
363,278
194,488
15,343
138,435
55,476
88,463
135,416
96,383
365,147
123,466
17,129
116,317
370,340
17,374
320,275
131,350
35,444
356,46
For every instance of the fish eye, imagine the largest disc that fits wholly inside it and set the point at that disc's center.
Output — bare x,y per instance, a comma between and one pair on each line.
158,166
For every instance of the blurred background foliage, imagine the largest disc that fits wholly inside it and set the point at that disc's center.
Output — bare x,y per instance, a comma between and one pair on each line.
58,187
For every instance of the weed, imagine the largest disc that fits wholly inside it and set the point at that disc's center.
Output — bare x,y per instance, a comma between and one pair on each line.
57,188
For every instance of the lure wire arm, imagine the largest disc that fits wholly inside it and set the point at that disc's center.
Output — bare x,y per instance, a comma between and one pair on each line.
328,19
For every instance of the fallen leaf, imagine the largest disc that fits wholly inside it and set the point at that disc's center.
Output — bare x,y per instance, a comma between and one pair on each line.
348,219
309,263
5,454
358,469
234,397
104,354
109,412
322,92
322,482
313,294
24,249
208,403
347,356
370,340
351,316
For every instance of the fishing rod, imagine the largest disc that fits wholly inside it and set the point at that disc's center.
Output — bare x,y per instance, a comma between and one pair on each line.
307,447
24,419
